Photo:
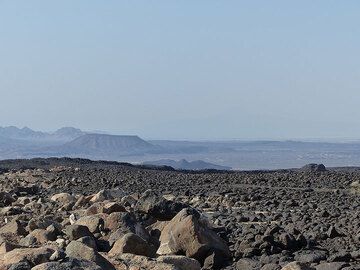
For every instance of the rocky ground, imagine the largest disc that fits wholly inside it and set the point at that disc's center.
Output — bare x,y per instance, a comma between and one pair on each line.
77,214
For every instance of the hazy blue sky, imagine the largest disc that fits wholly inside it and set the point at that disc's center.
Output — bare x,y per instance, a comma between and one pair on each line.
182,69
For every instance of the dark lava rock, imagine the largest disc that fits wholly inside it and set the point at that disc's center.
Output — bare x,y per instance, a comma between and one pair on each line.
158,207
314,168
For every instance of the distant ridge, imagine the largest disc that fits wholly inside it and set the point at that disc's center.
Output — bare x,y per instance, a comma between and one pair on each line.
183,164
24,133
27,134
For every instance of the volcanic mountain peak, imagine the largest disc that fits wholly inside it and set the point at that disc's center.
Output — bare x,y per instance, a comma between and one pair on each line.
69,132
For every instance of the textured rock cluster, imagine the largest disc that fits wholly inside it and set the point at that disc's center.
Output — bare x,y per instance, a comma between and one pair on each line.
76,214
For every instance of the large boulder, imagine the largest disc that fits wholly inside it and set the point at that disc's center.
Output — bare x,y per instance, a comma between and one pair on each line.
188,234
33,256
157,206
13,227
42,236
134,244
79,250
120,223
102,195
95,223
118,220
63,198
75,231
42,223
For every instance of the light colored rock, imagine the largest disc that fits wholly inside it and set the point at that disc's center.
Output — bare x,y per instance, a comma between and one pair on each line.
33,255
14,227
72,219
23,200
186,233
61,242
63,198
95,223
102,195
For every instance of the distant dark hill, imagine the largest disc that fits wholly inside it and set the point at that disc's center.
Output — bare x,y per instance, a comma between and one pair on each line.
183,164
107,146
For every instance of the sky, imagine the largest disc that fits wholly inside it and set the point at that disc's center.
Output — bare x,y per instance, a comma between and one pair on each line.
165,69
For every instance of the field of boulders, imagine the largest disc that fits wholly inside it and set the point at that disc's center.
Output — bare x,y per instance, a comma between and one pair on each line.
58,214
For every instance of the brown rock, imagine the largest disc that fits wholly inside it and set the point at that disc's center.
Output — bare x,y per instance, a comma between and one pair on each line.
134,244
6,247
102,195
33,255
75,231
63,198
94,223
187,234
13,227
78,250
113,207
42,236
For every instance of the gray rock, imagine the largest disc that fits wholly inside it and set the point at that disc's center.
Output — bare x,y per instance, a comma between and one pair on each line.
78,250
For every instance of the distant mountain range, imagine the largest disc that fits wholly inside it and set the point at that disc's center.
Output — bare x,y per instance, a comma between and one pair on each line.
68,141
73,142
183,164
27,134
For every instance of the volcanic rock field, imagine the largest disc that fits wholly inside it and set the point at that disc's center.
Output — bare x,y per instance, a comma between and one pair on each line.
61,213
